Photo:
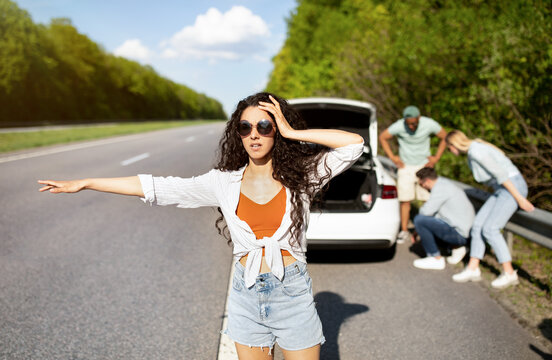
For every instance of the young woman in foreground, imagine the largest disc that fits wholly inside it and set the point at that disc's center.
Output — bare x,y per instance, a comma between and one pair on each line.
263,184
490,165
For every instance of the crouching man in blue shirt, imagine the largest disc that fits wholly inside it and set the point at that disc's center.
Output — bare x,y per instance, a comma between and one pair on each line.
448,216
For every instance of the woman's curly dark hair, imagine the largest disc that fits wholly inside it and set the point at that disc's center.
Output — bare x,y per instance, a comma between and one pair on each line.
293,162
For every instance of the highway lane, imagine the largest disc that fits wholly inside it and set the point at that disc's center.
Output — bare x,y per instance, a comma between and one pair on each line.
372,308
99,276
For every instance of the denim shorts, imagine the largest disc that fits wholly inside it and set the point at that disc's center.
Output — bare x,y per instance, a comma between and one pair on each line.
274,310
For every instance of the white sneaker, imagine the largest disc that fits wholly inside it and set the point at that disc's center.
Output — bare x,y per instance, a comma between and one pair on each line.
403,236
467,275
505,280
457,255
430,263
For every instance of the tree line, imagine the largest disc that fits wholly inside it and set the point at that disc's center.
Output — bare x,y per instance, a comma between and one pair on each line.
484,67
53,74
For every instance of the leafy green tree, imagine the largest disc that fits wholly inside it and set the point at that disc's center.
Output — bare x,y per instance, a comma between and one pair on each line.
482,67
55,74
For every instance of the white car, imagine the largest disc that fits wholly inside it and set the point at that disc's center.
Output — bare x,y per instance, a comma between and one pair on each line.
360,208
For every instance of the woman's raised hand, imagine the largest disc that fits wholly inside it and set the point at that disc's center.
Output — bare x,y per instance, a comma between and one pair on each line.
331,138
273,107
71,186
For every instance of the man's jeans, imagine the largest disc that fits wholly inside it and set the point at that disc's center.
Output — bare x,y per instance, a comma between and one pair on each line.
429,228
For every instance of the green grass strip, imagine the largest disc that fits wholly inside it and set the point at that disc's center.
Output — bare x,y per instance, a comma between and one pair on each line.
25,140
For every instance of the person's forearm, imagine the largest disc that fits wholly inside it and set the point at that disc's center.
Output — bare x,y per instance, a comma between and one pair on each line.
522,201
331,138
433,204
125,186
509,185
386,148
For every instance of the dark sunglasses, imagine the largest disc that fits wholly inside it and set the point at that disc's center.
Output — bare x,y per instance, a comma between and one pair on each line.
264,127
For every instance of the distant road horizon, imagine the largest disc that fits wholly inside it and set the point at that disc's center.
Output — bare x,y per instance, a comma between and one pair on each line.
52,127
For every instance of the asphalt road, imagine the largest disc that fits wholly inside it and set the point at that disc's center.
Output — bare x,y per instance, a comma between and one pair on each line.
100,276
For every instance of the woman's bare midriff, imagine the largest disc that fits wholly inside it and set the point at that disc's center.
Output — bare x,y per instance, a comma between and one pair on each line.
288,260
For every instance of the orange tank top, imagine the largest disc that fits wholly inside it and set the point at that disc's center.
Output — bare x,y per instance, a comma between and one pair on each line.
263,219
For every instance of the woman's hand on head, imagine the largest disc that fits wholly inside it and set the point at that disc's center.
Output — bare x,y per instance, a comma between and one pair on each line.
332,138
56,187
273,107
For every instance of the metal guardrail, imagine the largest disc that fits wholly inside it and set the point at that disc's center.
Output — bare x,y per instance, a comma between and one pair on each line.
535,226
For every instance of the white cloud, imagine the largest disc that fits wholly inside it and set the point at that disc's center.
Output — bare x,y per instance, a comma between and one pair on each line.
261,58
236,34
169,54
133,49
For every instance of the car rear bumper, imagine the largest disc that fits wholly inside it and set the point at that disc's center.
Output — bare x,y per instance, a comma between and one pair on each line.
376,228
349,244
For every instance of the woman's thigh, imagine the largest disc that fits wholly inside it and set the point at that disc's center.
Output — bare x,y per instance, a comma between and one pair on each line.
485,212
254,353
312,353
504,207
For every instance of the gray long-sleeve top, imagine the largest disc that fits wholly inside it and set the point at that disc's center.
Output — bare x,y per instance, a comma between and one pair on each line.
488,164
449,203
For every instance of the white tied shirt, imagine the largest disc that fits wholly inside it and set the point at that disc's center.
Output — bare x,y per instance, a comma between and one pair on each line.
222,189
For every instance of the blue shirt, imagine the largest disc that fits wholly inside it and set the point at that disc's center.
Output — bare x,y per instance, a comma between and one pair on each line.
451,204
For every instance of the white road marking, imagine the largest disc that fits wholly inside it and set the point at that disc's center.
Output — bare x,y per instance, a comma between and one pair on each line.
190,139
70,148
132,160
227,349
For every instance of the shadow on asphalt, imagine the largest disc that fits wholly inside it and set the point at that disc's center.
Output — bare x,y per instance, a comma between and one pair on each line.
539,352
333,312
546,328
332,309
353,256
417,249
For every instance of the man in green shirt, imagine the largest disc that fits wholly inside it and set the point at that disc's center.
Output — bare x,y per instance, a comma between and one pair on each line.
413,133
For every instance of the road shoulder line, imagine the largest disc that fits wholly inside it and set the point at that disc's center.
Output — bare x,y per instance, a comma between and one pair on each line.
227,350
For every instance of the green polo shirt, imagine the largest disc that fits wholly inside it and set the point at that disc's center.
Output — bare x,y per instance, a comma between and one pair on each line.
414,147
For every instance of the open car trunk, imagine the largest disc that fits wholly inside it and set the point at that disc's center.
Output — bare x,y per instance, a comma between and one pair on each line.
350,190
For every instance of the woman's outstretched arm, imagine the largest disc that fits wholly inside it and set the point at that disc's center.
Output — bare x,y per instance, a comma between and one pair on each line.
125,186
331,138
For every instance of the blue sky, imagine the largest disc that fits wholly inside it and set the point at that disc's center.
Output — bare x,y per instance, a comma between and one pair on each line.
221,48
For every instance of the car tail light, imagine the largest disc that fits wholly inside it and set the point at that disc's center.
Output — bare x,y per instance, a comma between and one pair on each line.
389,192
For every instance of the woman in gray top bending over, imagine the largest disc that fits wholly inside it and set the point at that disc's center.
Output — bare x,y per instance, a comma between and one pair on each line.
491,166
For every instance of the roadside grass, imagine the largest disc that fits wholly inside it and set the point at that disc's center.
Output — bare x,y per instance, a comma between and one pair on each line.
530,302
24,140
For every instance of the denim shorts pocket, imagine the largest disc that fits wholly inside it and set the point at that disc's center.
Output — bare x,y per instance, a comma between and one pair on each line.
297,286
237,284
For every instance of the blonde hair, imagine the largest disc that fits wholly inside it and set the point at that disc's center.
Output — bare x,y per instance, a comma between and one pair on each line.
460,141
